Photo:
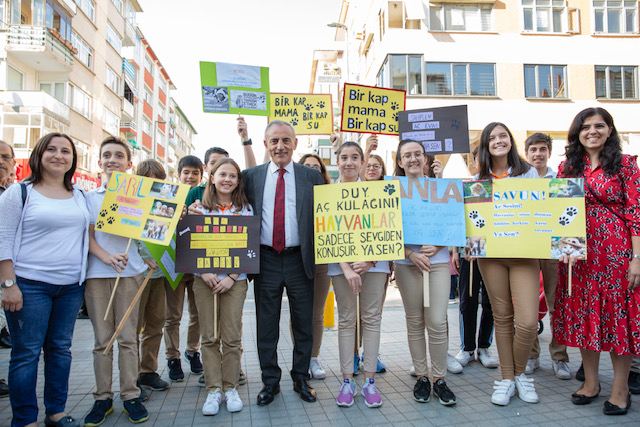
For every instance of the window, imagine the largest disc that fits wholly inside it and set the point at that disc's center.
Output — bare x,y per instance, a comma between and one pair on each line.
55,89
146,126
616,82
454,79
545,16
83,155
114,38
615,16
80,101
460,17
85,52
14,79
402,72
117,4
545,81
112,80
147,96
111,122
148,64
88,7
56,17
405,14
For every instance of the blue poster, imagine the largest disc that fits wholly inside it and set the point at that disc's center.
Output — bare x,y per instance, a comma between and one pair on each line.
432,211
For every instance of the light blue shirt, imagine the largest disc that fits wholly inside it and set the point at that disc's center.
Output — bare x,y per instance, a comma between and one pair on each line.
268,202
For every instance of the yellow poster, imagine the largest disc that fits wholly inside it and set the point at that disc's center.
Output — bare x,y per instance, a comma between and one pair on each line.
358,221
369,109
309,114
525,218
141,208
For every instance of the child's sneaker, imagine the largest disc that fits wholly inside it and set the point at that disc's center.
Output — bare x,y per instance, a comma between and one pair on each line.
372,397
212,404
136,411
503,391
346,393
234,403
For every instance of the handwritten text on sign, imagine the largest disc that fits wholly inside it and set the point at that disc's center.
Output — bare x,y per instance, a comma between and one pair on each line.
359,221
309,114
371,109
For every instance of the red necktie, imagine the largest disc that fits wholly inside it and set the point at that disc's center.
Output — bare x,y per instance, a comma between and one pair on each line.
278,214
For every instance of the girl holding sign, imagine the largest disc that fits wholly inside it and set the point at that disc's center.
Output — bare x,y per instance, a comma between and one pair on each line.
362,282
602,311
512,284
221,352
42,283
432,260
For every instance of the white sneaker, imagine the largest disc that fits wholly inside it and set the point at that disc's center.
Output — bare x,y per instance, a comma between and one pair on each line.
503,391
212,404
234,403
526,389
453,365
317,371
532,365
464,357
412,371
561,369
487,358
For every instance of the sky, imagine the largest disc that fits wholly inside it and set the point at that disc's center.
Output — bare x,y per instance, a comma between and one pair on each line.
279,34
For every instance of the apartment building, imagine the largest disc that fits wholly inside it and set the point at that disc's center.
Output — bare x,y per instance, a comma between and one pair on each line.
532,64
181,133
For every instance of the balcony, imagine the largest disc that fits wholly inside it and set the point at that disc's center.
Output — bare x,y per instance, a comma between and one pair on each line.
129,38
128,111
40,48
34,102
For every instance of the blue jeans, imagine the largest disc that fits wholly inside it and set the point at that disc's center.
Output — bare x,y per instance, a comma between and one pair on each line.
45,322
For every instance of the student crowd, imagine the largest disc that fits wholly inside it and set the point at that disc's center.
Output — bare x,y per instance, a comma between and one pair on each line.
52,259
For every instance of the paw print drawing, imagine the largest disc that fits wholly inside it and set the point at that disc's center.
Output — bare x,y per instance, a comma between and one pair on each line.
113,207
473,215
99,224
480,223
389,189
251,254
571,211
394,106
111,220
477,219
308,107
103,213
320,104
395,116
294,122
568,216
564,220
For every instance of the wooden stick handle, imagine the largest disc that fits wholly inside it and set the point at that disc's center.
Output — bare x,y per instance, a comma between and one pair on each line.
425,289
570,277
470,278
215,316
115,287
358,321
127,313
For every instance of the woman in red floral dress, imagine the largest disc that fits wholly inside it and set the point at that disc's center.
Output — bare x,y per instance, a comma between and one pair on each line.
603,311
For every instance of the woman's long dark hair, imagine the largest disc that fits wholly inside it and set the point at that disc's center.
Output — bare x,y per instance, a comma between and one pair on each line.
517,164
35,160
611,154
399,171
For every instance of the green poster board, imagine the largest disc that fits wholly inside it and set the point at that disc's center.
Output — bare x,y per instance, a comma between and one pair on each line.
165,257
234,89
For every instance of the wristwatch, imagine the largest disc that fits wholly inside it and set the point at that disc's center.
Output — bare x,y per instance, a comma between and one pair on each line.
247,142
635,256
7,284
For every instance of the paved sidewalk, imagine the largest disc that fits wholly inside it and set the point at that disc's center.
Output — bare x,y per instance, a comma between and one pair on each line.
181,404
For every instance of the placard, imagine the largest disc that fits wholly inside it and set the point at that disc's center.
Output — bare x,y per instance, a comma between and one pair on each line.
234,88
442,130
358,221
218,244
525,218
369,109
432,211
141,208
165,257
309,114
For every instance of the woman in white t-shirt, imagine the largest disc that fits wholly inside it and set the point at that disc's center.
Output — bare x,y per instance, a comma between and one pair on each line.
44,243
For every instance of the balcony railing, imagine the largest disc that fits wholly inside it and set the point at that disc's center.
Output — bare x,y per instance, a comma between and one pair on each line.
36,101
37,40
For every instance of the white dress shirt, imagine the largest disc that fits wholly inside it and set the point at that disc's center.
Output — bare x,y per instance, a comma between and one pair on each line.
290,213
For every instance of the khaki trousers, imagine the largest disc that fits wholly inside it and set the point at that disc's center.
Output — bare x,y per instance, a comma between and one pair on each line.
221,356
175,305
513,287
320,292
371,301
558,352
150,322
433,318
96,295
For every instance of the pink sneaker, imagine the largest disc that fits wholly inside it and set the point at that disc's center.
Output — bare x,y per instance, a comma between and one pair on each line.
346,394
372,397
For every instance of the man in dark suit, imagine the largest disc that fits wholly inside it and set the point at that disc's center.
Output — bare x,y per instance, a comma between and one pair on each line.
281,193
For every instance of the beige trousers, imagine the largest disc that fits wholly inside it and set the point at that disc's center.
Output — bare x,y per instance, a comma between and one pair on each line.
513,287
549,268
320,292
221,356
175,305
150,322
96,295
433,318
371,301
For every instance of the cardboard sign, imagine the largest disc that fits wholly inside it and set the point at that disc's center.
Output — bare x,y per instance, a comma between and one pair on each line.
443,130
525,218
234,88
309,114
432,211
165,257
218,244
358,221
141,208
369,109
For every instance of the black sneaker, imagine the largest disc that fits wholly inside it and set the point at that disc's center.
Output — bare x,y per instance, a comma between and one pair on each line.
194,361
175,370
4,388
580,373
242,378
65,421
153,381
201,381
634,382
136,411
99,412
422,390
145,393
442,392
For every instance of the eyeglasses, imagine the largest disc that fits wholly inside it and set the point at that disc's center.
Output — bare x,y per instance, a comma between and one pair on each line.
374,167
314,166
409,156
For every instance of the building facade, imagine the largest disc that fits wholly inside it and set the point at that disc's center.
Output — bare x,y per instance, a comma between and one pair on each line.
180,138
